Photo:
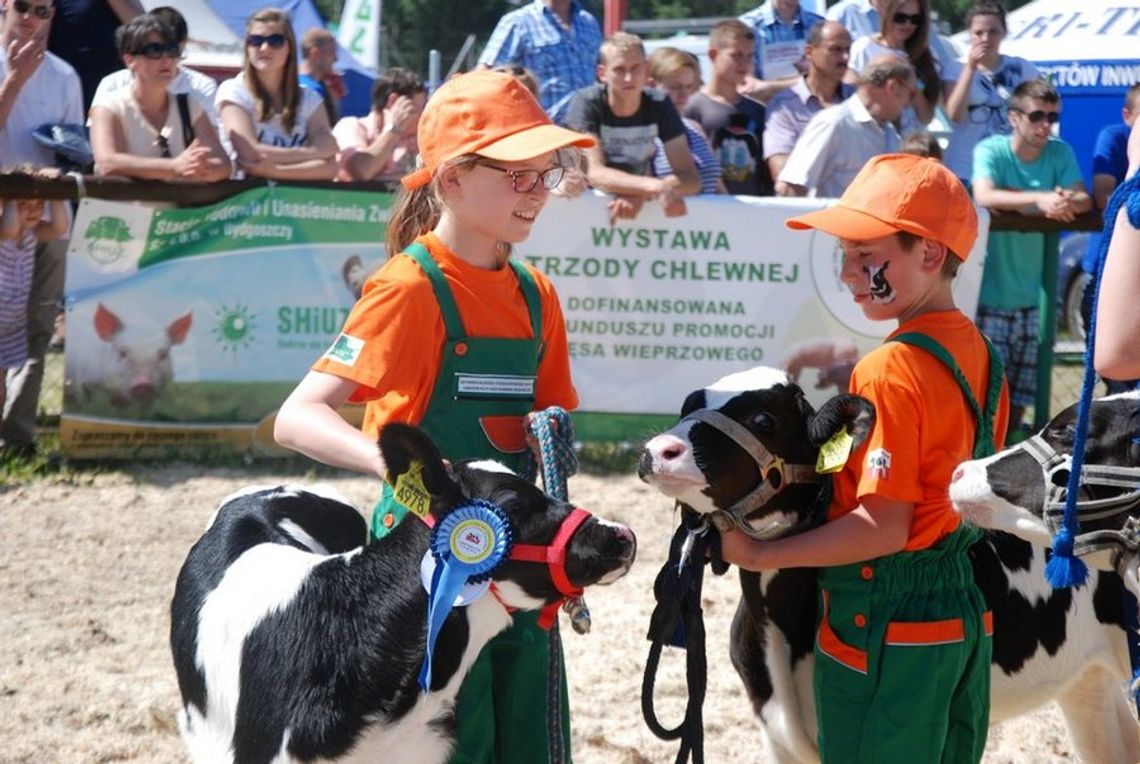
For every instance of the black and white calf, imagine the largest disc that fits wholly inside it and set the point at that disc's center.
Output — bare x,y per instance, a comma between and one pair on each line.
1021,489
1066,645
293,643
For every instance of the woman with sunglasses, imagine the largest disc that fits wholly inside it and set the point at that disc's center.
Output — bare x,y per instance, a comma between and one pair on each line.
904,32
144,131
455,335
277,128
978,103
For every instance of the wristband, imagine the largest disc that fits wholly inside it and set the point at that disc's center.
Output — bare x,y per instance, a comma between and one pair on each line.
390,127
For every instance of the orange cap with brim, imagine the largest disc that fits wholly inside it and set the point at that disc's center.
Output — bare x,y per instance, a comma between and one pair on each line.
900,192
486,113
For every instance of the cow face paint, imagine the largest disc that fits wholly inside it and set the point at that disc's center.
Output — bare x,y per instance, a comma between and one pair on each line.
881,290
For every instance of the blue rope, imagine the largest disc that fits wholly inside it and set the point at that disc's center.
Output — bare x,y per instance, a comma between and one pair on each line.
1064,569
556,445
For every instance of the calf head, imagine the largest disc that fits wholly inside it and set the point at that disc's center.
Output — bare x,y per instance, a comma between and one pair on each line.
556,550
771,490
1022,489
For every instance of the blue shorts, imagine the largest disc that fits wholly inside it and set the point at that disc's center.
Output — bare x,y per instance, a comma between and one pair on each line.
1014,334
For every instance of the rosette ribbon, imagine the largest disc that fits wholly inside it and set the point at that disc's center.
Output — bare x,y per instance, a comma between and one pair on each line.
468,545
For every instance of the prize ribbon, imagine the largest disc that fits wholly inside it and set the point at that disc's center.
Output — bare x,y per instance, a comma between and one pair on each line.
468,545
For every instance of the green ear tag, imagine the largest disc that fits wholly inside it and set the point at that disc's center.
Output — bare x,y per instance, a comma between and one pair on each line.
410,491
833,454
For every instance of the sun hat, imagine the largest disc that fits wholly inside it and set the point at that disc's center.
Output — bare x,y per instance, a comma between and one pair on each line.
900,192
486,113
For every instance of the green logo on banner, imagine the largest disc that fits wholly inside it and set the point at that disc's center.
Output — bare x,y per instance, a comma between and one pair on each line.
234,327
105,237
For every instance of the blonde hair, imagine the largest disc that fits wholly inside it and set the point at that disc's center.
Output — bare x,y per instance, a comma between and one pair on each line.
727,32
667,61
291,88
416,212
620,42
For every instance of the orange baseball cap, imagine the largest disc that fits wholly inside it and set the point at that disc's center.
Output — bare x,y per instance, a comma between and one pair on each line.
486,113
900,192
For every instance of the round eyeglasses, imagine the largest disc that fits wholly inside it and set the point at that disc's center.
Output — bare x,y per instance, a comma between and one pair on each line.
524,181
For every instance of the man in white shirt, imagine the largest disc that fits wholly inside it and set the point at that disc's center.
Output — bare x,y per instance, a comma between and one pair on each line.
839,140
185,81
36,87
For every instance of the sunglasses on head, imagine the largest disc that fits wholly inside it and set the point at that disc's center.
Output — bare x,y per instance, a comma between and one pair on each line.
908,18
156,50
275,40
1039,116
24,8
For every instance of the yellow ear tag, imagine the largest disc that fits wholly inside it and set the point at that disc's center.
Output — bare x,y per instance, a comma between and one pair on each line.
833,454
410,491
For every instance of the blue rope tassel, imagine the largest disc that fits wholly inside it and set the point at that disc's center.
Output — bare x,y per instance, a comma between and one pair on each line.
1065,570
556,444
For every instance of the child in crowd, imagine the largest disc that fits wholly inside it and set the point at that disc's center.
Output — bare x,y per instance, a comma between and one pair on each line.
678,73
454,335
902,661
921,144
734,124
22,227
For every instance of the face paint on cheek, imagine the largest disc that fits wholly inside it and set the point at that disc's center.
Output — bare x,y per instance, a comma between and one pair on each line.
881,290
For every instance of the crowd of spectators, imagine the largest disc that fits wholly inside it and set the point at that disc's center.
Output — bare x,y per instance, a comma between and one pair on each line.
794,104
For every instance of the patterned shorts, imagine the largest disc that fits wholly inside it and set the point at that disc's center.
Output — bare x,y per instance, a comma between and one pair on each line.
1014,334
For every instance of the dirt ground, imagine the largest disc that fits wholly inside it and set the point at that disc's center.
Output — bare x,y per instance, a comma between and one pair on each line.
87,569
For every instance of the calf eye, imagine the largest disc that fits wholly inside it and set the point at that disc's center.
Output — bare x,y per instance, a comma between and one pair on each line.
764,422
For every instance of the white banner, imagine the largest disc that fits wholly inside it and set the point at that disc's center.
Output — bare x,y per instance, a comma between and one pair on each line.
359,32
658,307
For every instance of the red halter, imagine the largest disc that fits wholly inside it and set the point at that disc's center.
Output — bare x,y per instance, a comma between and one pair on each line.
554,556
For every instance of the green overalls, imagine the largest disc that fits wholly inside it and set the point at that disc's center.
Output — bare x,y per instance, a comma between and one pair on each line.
902,657
483,384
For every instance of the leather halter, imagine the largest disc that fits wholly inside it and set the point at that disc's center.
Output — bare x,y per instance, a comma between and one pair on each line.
554,556
1052,463
775,473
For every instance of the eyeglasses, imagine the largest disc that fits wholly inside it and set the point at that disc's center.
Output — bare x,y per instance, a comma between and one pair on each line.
42,12
907,18
982,113
275,40
1039,116
525,180
163,145
157,50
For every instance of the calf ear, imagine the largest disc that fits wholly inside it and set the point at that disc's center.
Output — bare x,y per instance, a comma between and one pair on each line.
694,402
401,445
851,411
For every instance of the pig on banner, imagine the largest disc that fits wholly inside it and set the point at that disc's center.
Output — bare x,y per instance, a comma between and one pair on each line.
188,327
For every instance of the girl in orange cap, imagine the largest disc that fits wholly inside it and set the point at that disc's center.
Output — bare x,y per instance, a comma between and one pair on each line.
454,335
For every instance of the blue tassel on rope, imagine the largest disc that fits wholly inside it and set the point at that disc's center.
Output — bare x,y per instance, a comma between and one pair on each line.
1065,570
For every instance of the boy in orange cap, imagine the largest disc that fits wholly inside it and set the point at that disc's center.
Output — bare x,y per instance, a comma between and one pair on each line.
456,336
902,660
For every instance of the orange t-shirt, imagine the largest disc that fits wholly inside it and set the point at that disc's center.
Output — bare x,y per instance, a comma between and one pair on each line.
923,427
398,334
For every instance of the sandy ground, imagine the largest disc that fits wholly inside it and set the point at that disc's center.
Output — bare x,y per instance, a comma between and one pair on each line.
87,569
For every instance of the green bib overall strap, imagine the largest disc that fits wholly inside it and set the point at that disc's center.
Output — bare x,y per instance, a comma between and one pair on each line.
984,444
513,707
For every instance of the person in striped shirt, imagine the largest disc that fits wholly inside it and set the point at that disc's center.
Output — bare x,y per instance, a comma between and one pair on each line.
22,228
678,74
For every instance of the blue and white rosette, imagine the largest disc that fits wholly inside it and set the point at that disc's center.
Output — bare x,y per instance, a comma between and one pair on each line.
468,545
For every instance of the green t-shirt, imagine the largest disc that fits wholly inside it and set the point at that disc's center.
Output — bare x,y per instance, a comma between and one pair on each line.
1014,261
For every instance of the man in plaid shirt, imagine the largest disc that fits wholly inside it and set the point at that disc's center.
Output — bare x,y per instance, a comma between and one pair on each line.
781,28
557,40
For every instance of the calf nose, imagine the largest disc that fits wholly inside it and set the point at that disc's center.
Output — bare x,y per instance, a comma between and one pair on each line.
959,472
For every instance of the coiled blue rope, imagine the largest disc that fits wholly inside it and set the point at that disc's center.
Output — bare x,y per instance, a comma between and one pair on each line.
1064,569
554,431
